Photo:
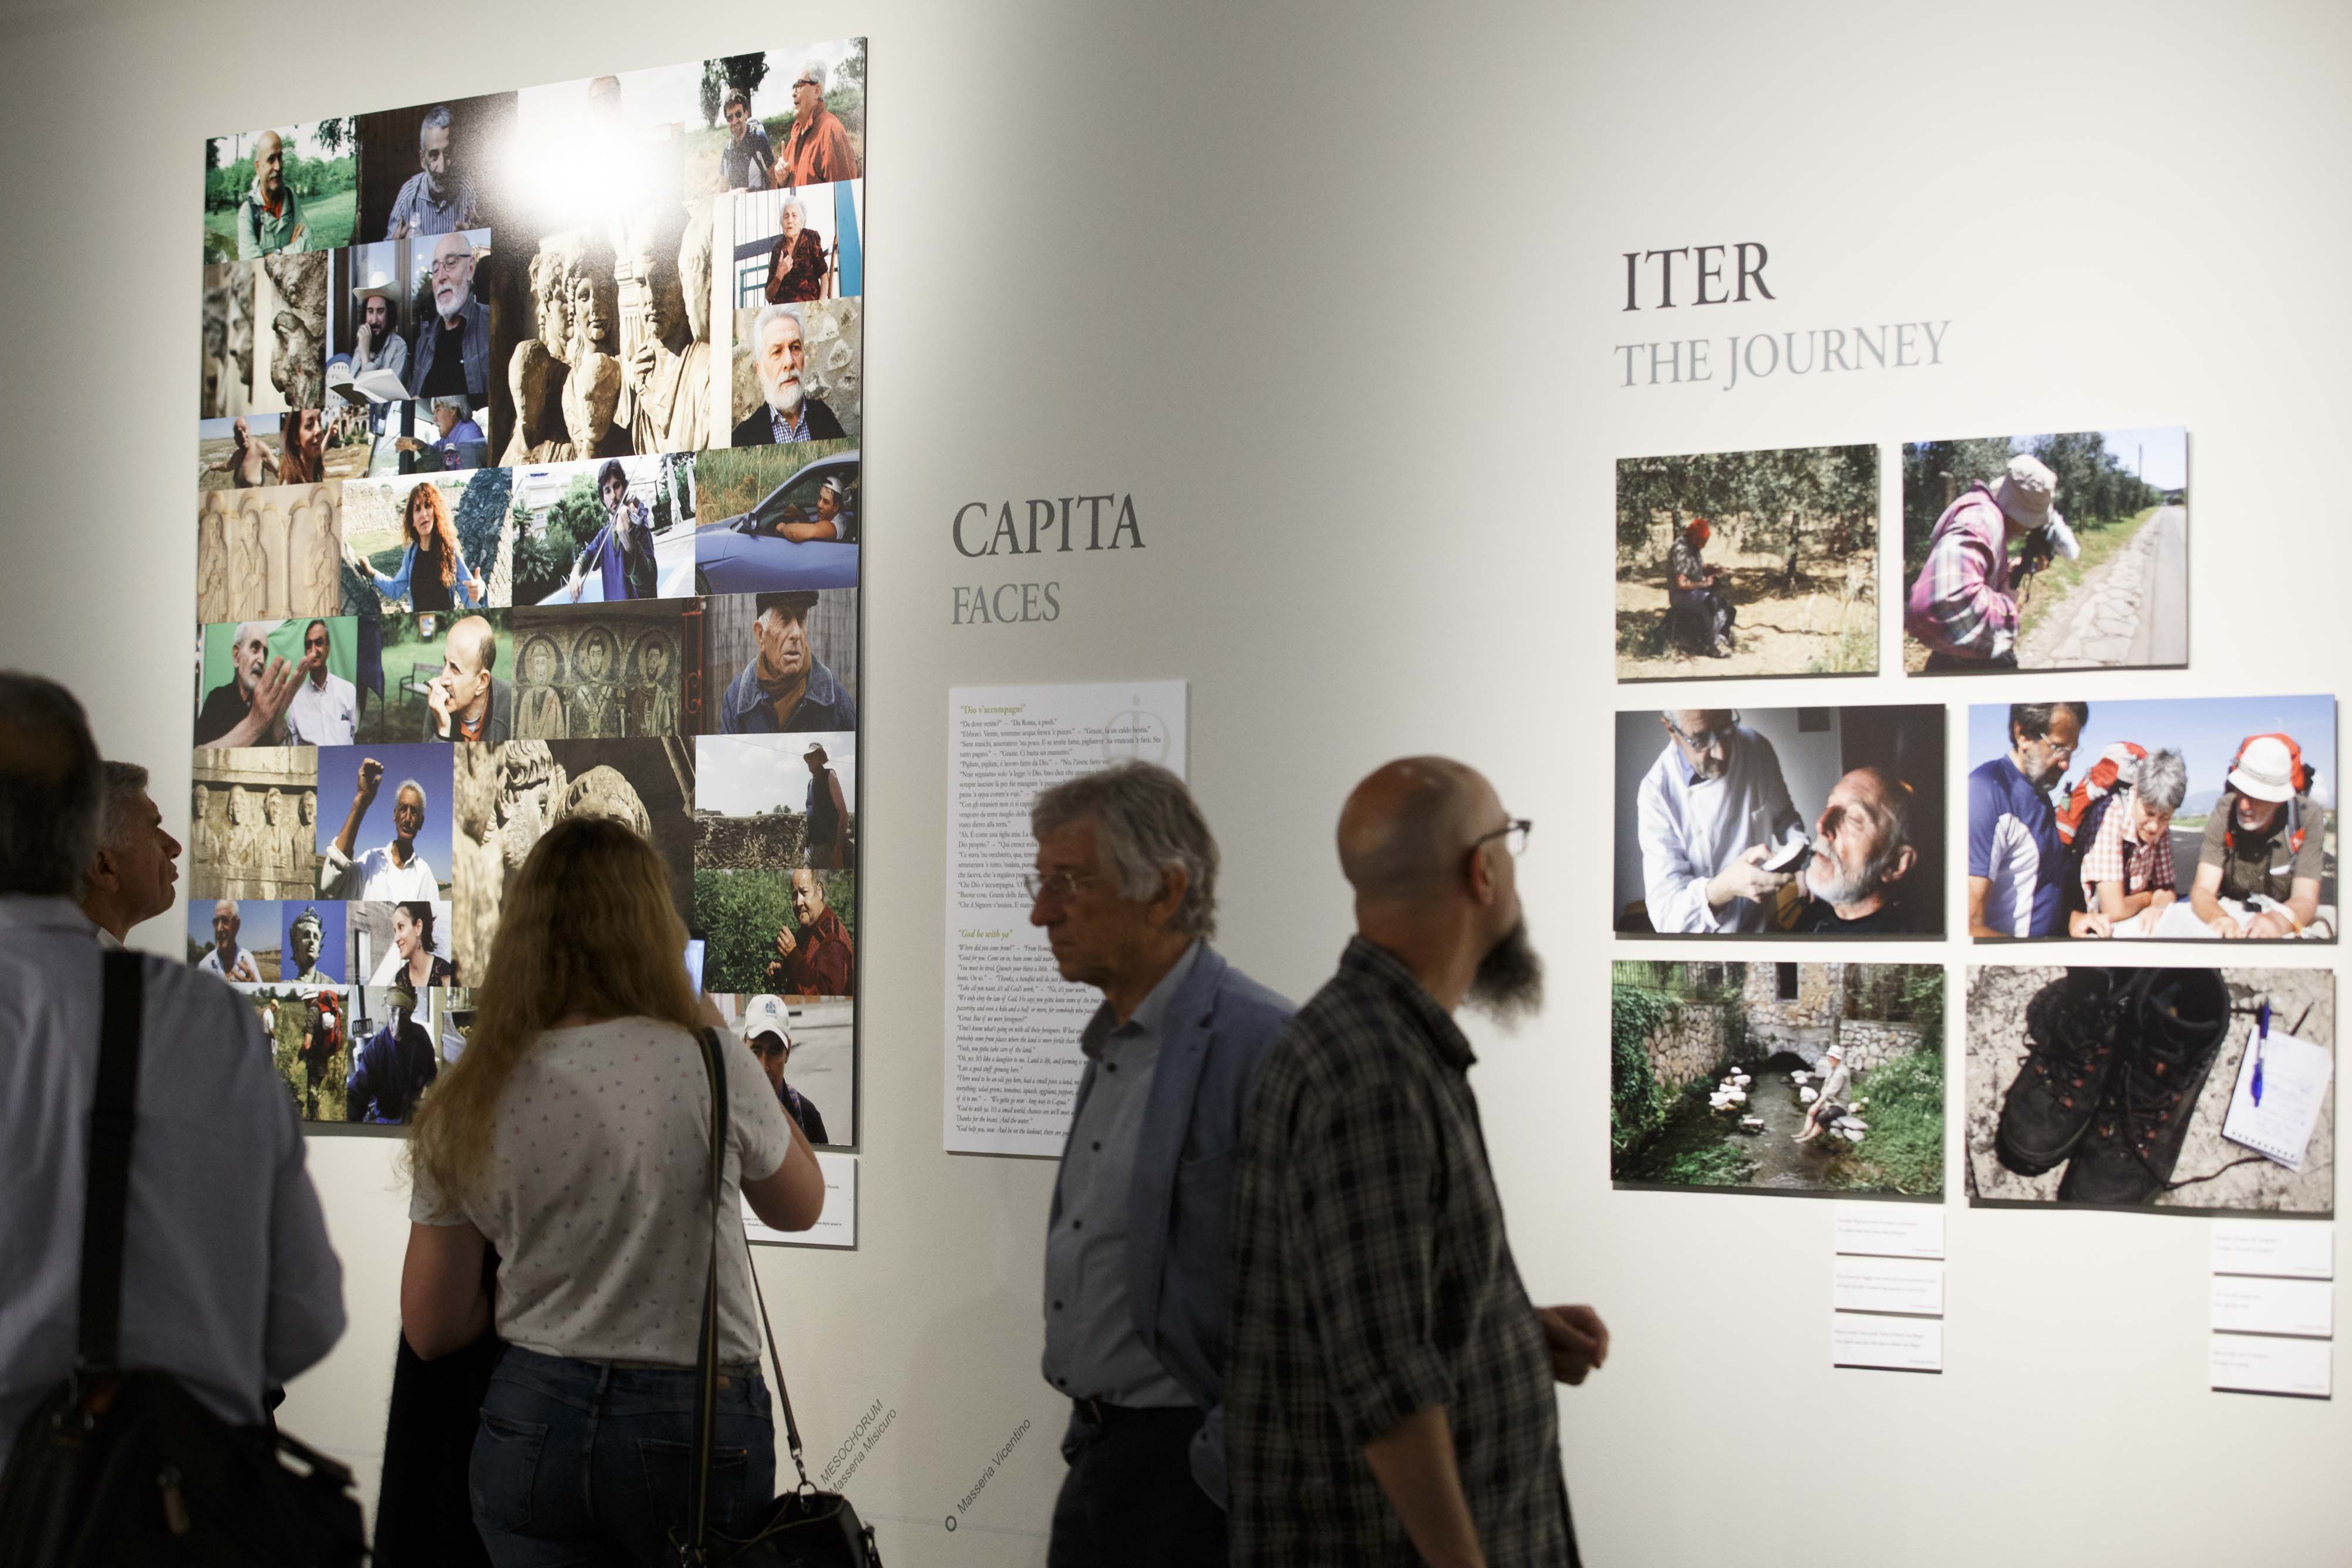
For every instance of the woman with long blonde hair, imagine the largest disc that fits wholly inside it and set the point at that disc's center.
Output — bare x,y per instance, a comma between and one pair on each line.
433,573
573,1136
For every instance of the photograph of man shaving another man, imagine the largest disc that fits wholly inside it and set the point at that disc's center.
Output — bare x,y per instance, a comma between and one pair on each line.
1816,820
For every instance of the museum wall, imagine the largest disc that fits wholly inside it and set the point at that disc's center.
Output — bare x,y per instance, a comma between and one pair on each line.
1334,295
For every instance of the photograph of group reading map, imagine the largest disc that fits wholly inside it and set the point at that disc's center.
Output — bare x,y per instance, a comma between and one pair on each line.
527,487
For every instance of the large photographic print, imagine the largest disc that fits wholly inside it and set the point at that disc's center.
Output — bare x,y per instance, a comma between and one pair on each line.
1777,1077
528,464
1822,821
2163,1089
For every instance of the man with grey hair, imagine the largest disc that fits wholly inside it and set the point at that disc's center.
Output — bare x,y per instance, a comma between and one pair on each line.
393,870
132,873
453,350
235,1287
244,709
1708,814
1861,854
786,413
748,161
1125,889
816,148
227,959
2126,855
439,198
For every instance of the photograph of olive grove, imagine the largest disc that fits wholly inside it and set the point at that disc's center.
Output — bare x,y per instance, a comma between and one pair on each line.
1777,1077
1747,563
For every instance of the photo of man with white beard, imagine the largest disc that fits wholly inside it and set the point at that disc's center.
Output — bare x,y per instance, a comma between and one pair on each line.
779,354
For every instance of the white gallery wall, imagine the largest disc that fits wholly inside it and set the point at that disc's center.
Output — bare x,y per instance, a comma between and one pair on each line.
1333,292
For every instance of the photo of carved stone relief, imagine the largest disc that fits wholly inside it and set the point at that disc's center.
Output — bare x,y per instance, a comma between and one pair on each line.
272,551
601,339
252,823
1824,1078
775,803
264,337
602,671
507,796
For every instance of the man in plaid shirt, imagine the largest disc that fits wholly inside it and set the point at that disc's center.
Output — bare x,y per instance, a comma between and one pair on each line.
1964,604
1389,1383
2127,869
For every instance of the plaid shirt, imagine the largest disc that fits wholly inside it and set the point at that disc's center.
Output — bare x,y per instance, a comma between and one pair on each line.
1962,603
1372,1280
2113,858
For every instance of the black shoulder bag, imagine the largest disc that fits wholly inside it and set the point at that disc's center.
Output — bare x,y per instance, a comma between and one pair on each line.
126,1466
805,1528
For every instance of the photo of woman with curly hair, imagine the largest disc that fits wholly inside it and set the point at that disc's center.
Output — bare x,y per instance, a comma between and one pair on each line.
433,573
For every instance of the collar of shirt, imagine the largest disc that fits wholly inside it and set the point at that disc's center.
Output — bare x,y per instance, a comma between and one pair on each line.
789,430
1385,969
1150,1019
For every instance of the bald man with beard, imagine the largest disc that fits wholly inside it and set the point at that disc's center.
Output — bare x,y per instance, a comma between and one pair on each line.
1389,1395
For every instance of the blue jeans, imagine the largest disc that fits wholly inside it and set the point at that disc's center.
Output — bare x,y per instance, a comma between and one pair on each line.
579,1462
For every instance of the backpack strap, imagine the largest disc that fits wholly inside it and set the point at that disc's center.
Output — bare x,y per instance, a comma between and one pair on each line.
113,1117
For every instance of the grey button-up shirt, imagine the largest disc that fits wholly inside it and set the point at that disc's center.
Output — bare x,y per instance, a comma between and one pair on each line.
227,1280
1092,1350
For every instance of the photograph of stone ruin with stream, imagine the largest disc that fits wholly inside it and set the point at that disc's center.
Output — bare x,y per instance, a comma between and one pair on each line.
1789,1078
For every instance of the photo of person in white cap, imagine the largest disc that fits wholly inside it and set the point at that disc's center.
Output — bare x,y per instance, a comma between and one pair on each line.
1830,1103
2265,845
767,1030
1963,605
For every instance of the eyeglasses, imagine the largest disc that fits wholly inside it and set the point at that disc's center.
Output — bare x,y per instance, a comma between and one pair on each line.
1707,739
1062,885
1513,832
442,264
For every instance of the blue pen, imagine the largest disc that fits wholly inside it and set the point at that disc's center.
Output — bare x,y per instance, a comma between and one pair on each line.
2261,1036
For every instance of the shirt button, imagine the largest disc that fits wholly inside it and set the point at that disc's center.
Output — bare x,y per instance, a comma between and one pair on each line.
1110,1067
1098,1145
1057,1306
1078,1225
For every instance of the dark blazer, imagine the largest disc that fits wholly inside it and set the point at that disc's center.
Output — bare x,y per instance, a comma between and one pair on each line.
1220,1028
758,430
498,724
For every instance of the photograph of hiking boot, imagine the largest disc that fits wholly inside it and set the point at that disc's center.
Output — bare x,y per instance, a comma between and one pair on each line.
2070,1030
2113,1087
2171,1029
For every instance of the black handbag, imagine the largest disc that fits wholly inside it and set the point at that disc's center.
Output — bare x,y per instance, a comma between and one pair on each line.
116,1466
805,1528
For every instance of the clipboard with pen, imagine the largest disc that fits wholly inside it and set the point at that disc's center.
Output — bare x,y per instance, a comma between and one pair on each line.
2281,1085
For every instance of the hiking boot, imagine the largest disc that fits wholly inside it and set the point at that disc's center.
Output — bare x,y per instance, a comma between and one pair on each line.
2170,1039
2071,1034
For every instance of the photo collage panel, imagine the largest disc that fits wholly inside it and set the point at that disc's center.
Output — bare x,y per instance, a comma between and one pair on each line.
527,487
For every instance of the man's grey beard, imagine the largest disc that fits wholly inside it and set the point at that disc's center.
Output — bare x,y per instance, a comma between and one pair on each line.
1844,887
1508,984
787,398
456,307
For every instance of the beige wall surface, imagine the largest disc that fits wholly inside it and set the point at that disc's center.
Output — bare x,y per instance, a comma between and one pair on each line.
1332,292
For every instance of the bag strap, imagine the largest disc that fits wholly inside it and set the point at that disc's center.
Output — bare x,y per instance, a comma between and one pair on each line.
783,1395
706,1358
113,1117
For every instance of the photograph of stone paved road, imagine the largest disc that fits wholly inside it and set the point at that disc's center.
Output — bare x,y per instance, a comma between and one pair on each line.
2106,588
